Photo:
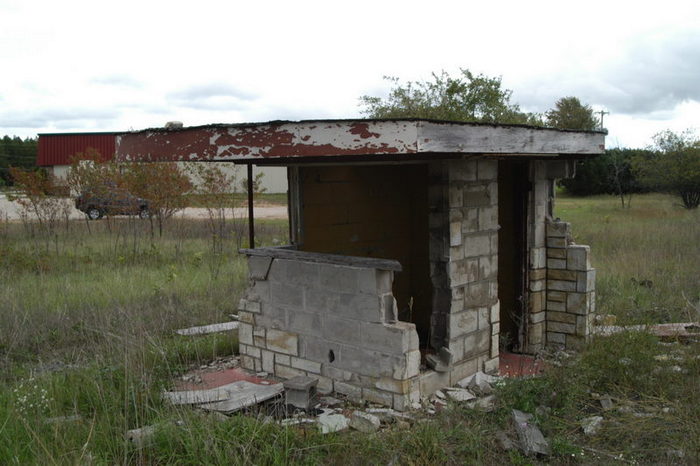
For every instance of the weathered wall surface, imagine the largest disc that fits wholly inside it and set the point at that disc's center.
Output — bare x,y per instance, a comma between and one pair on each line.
570,288
333,322
463,201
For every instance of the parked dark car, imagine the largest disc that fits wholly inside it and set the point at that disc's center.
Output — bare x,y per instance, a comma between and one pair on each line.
111,200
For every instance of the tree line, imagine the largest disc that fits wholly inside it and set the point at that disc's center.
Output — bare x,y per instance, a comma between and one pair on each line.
16,152
671,164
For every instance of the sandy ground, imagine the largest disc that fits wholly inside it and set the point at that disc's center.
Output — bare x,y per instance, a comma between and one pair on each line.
11,211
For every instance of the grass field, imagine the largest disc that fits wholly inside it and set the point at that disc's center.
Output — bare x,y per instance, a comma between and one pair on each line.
86,321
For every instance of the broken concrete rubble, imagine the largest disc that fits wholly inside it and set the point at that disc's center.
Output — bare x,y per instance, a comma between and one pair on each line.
364,422
228,398
207,329
531,440
591,425
479,383
329,422
459,394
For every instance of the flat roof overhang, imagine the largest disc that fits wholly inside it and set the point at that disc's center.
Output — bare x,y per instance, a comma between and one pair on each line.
352,141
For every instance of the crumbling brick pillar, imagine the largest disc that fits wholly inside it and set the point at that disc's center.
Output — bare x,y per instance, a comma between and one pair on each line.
570,288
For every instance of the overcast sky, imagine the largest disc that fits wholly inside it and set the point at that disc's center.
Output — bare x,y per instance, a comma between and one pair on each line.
113,66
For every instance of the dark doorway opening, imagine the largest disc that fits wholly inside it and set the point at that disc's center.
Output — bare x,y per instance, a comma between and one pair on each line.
378,211
513,194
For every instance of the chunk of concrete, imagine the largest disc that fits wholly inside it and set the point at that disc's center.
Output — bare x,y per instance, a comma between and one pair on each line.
440,362
531,440
227,398
591,425
141,436
364,422
300,392
459,394
328,423
207,329
478,383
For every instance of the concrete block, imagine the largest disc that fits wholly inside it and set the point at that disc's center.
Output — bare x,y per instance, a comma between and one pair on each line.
289,296
246,317
396,338
462,170
318,349
496,312
328,370
283,359
495,329
537,285
537,317
536,302
245,333
491,366
538,258
392,385
469,217
476,195
247,362
553,253
340,330
483,341
462,323
556,306
538,274
494,244
377,396
302,273
456,196
488,267
352,392
306,365
479,294
259,341
487,169
488,218
558,296
325,384
456,347
367,281
257,365
563,317
556,264
577,257
567,275
339,278
432,381
268,361
585,281
259,331
536,334
253,352
583,326
258,291
455,234
307,323
553,242
461,370
484,318
560,285
385,281
559,327
285,372
258,267
360,307
409,366
477,245
463,271
558,229
282,342
556,338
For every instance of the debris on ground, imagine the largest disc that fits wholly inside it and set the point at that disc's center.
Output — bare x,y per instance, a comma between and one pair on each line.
684,331
478,383
459,394
227,398
141,436
364,422
207,329
329,422
63,419
591,425
300,392
531,440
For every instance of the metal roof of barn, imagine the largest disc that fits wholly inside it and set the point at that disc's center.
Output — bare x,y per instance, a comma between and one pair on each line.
292,142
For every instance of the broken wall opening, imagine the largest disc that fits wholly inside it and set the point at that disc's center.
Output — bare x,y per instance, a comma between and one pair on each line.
513,194
377,211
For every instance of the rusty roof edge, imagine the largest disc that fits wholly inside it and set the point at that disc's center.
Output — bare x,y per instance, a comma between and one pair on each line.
161,129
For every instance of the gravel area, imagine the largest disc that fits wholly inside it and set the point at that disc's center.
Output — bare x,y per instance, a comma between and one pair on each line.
10,211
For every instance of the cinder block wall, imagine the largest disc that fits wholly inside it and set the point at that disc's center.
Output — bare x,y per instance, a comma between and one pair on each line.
570,288
463,202
333,322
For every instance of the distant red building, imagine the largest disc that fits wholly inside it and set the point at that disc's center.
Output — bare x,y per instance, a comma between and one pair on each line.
56,149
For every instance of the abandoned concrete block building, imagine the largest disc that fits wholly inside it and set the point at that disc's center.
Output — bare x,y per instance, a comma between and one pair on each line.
418,249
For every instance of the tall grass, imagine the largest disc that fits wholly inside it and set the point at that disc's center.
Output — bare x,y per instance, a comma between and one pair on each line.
646,256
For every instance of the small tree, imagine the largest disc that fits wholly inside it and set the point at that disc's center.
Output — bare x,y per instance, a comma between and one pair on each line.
674,167
467,97
163,184
570,113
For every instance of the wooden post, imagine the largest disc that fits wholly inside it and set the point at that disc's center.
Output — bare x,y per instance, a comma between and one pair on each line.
251,220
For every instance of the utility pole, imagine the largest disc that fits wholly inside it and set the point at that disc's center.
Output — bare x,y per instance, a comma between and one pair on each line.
602,114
